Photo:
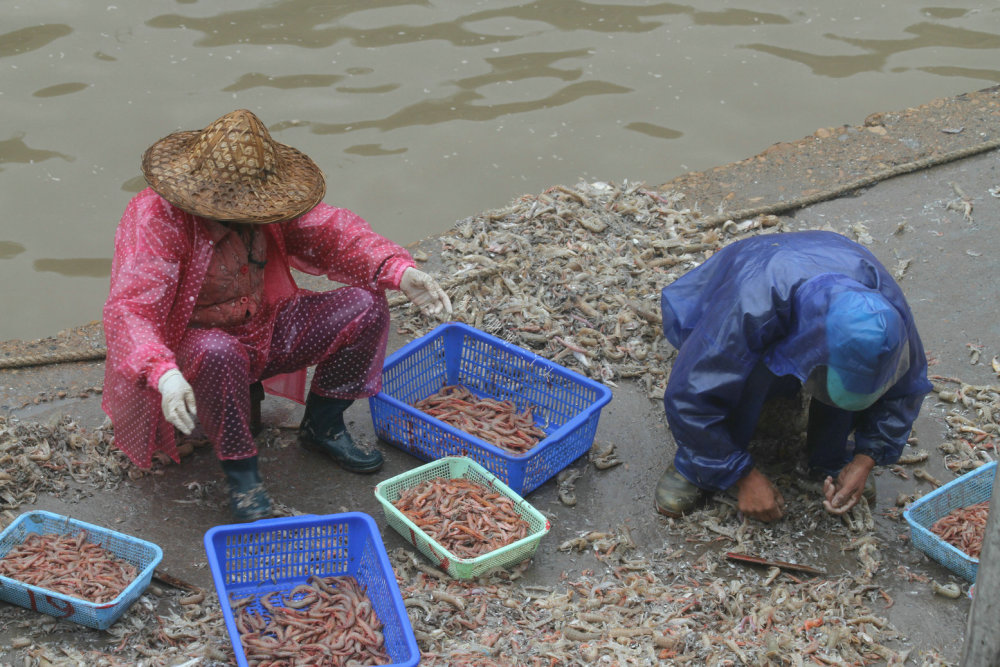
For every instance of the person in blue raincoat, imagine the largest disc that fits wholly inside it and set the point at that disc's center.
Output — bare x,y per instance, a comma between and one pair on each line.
770,315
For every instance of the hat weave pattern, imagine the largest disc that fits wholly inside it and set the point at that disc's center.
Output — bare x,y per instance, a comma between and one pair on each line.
233,171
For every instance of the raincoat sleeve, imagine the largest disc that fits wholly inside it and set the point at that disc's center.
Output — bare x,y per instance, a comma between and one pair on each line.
709,379
883,429
148,261
340,245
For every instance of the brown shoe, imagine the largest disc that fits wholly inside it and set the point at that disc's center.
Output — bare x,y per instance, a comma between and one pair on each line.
675,495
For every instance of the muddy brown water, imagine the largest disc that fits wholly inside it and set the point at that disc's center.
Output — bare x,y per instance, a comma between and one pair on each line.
422,113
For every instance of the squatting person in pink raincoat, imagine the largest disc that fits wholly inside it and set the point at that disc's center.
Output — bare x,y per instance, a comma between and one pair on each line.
203,305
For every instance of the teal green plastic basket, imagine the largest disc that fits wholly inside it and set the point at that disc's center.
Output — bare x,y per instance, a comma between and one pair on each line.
460,467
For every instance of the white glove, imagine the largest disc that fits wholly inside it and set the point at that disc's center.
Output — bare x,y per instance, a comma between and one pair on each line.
178,400
424,292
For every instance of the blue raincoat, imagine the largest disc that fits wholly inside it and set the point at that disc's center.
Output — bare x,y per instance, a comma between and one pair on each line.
751,322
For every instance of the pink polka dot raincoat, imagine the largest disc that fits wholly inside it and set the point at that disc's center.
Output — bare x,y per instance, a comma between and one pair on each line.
162,255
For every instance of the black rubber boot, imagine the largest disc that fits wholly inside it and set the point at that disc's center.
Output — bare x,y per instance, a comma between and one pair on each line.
323,430
256,398
675,496
248,500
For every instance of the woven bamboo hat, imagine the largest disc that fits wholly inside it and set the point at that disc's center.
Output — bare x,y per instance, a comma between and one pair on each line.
233,171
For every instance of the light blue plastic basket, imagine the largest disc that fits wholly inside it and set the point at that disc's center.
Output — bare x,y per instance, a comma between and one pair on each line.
565,404
145,556
969,489
271,555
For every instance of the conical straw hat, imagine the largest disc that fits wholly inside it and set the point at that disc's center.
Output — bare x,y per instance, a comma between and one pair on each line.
233,171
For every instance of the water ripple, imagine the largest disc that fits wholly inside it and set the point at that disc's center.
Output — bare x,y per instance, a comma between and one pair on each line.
77,267
969,72
303,23
460,106
61,89
879,51
652,130
292,81
15,150
577,15
10,249
30,39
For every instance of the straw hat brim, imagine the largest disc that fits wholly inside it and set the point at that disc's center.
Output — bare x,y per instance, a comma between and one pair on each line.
221,192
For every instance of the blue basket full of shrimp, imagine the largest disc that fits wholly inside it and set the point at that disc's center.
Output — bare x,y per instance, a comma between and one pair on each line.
948,524
72,569
458,391
316,589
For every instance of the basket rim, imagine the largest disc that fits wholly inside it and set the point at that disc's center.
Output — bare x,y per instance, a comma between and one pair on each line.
396,357
222,531
217,559
262,525
449,461
474,465
943,489
144,573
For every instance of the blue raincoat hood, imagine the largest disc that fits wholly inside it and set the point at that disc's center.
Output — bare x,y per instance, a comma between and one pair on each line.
776,292
840,323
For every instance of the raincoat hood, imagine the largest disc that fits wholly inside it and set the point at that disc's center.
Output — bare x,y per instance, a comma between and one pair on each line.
852,330
866,342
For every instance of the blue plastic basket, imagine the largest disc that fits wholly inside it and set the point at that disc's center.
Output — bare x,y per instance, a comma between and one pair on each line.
145,556
565,404
271,555
969,489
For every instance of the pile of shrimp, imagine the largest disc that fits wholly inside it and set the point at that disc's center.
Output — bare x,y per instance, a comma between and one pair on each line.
463,516
497,422
963,528
68,564
328,621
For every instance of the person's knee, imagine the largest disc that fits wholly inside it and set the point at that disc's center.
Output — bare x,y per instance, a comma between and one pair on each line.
371,308
221,352
378,311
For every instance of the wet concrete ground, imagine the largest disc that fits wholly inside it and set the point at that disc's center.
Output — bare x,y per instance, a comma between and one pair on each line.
949,283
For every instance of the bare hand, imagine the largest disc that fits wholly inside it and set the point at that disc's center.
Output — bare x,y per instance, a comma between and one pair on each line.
843,493
758,498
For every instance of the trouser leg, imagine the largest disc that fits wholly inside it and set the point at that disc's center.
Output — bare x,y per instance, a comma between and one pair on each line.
343,332
218,368
827,445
